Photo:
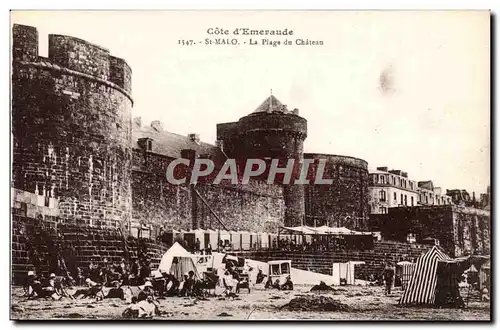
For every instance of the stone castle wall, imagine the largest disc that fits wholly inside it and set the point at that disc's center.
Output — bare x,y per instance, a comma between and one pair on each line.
343,203
71,125
254,206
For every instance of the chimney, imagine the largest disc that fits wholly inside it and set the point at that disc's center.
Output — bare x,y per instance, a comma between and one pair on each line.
194,137
188,154
382,168
137,122
157,125
396,172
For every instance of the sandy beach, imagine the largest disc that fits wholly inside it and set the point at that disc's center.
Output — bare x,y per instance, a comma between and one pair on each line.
364,303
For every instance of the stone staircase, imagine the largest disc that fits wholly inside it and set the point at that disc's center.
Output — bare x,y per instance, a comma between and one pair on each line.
79,246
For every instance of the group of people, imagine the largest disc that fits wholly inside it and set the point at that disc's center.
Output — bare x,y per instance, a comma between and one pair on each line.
136,284
287,285
108,272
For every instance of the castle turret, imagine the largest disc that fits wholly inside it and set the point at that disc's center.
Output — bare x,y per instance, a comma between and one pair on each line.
71,125
270,132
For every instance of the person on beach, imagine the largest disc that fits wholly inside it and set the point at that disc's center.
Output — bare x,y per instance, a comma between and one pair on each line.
388,278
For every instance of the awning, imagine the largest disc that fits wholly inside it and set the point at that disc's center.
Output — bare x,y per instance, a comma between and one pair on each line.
301,229
325,230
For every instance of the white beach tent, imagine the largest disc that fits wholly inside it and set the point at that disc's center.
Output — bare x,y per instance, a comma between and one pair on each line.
178,262
264,240
245,240
213,235
345,270
235,239
253,239
225,236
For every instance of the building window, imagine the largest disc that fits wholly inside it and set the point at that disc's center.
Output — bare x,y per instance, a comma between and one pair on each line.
401,199
395,197
406,200
411,199
383,210
382,179
382,195
146,144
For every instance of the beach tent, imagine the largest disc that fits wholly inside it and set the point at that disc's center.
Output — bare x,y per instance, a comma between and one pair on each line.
344,270
177,261
422,286
245,240
253,239
404,270
264,240
225,236
213,238
272,237
236,240
435,279
484,275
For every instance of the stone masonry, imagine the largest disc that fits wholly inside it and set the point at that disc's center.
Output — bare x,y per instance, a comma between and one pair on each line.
71,125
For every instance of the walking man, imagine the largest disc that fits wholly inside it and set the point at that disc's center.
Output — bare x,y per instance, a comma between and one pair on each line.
388,278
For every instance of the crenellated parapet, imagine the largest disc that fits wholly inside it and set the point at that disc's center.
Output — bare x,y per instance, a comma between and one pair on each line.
72,56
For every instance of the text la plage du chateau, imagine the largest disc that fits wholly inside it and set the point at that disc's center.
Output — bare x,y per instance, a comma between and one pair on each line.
264,33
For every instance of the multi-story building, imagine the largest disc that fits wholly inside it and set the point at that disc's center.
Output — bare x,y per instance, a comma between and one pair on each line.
391,188
430,195
462,197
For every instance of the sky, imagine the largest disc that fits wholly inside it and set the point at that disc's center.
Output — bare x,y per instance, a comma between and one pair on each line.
407,90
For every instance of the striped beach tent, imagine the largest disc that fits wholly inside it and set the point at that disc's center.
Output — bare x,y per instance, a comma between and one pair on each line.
422,286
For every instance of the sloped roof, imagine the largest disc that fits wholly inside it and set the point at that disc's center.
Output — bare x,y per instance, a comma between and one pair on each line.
270,104
170,144
177,251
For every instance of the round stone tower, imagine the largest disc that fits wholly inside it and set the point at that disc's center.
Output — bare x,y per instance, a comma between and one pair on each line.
271,132
71,126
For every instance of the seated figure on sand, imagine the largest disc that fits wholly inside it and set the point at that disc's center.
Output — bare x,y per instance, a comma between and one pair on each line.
92,290
288,285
